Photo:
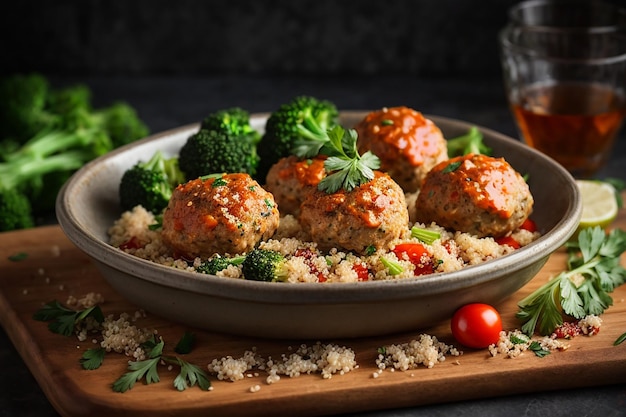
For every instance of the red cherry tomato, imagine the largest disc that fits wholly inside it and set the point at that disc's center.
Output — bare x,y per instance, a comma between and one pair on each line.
476,325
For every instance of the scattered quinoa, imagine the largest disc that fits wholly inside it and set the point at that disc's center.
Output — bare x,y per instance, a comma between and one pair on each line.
325,359
426,350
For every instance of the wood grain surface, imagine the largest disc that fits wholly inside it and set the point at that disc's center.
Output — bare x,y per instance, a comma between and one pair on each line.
56,269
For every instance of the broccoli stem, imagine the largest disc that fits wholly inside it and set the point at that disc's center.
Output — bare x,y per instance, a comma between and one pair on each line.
19,171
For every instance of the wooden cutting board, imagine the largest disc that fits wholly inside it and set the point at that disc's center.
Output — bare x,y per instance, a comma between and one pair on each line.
55,269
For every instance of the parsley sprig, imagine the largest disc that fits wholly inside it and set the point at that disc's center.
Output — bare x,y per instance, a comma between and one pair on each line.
63,320
594,271
348,168
147,369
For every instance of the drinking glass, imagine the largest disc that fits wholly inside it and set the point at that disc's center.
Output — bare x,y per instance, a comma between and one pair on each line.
566,88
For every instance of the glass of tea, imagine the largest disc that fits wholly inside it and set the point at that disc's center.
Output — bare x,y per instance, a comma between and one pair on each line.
567,90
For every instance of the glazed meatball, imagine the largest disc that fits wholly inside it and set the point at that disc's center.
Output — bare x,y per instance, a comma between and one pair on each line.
373,214
291,179
477,194
227,214
407,143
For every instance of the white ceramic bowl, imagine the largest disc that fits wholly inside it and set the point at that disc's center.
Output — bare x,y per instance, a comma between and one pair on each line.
88,204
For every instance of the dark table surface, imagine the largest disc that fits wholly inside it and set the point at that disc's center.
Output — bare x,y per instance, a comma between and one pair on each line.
166,103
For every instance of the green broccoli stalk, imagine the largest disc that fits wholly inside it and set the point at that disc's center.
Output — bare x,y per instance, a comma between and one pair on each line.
265,265
150,184
209,152
218,263
233,121
15,210
471,142
286,125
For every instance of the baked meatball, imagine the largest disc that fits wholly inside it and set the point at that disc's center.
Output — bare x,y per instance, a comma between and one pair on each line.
407,143
227,214
477,194
373,214
291,179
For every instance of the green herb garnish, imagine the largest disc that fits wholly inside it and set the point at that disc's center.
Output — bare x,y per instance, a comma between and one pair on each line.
64,320
348,169
92,358
20,256
594,271
147,369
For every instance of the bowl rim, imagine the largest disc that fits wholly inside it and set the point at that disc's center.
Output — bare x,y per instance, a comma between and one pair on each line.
314,293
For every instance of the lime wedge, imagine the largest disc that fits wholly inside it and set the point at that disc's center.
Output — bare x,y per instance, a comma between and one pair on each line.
599,203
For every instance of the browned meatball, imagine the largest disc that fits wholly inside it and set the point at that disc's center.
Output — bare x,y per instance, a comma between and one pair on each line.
373,214
407,143
228,214
291,179
477,194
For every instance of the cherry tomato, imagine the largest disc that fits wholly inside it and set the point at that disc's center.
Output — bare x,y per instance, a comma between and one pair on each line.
476,325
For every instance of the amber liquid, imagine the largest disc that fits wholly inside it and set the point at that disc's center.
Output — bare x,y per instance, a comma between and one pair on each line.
575,124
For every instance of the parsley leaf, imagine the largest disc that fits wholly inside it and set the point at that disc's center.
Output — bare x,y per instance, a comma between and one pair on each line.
347,168
536,348
185,344
92,358
593,272
17,257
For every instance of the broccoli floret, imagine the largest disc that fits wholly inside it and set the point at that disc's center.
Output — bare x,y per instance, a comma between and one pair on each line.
218,263
150,184
471,142
15,210
122,123
23,99
285,126
265,265
233,121
209,152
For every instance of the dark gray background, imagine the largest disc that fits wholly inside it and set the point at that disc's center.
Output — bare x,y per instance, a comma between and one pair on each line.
431,38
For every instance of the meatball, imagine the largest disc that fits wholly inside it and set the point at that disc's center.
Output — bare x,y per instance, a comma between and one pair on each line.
291,179
227,214
477,194
373,214
407,143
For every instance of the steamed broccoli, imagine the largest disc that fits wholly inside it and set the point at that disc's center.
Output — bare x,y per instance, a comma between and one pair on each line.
15,210
218,263
232,121
285,126
47,134
150,184
265,265
471,142
211,151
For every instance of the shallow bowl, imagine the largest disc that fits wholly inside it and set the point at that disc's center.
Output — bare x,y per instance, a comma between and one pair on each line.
88,205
